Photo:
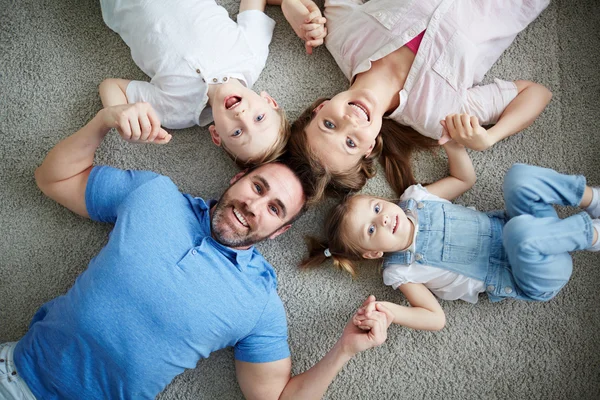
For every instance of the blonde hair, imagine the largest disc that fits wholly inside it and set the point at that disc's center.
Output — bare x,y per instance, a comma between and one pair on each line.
273,153
344,253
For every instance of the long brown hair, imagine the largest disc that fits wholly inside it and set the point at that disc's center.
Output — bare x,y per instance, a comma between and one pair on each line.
394,146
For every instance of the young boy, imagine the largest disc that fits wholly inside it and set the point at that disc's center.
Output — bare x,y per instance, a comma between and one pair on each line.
202,65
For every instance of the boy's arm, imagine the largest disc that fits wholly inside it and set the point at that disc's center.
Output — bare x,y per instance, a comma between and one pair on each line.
64,172
273,381
461,172
256,4
113,92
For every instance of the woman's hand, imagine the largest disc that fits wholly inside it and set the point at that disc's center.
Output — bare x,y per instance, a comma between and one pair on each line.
306,20
466,130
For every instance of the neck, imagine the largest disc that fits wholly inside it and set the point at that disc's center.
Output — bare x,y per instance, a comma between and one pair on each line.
386,77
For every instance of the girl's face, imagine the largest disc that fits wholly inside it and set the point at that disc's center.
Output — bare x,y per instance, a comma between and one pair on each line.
378,226
343,129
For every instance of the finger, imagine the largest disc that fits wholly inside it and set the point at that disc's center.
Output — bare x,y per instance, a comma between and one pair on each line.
316,34
311,27
388,314
315,43
145,127
450,127
123,128
308,48
155,123
444,139
465,121
474,122
314,15
164,140
368,300
135,129
457,122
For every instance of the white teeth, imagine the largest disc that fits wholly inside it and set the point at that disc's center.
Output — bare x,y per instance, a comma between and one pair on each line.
361,109
395,223
240,217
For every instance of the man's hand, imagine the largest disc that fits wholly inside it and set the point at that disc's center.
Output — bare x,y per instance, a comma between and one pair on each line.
373,327
466,130
136,123
306,20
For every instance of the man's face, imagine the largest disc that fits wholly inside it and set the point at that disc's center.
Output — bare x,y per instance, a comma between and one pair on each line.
257,206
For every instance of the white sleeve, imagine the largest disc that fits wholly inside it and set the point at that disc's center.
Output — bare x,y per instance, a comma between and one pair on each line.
174,112
419,193
488,102
258,28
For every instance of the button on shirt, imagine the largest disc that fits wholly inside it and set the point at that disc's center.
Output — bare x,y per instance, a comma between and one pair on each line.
185,45
462,41
160,295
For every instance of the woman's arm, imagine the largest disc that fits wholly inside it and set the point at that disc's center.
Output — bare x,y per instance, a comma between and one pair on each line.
425,313
113,92
462,174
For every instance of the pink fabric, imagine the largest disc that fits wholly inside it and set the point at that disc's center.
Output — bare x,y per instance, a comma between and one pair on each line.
414,44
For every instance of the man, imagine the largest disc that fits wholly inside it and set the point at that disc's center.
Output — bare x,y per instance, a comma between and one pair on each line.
178,279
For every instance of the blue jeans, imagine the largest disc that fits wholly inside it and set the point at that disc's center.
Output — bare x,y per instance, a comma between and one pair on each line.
536,240
12,386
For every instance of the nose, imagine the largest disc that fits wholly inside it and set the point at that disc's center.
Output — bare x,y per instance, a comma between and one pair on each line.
351,119
254,205
240,114
385,219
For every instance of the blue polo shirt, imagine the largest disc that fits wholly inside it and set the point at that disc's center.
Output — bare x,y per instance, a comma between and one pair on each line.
161,295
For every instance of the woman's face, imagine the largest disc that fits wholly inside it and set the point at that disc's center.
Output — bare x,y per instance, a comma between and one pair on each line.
343,129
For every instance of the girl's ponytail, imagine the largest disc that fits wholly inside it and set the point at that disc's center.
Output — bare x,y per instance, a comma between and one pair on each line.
399,142
319,252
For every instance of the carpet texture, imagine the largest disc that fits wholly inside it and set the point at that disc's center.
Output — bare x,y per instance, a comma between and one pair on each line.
53,55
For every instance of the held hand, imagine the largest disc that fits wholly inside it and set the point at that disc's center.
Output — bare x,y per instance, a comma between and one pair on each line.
306,20
466,130
136,123
355,339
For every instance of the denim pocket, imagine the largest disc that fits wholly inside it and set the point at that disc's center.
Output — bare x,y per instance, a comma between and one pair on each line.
462,239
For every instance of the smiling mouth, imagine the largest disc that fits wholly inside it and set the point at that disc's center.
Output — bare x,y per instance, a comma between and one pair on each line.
240,218
395,227
361,110
232,102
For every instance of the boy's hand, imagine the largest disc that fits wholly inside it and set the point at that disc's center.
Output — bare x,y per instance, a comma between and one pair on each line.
136,123
466,130
306,20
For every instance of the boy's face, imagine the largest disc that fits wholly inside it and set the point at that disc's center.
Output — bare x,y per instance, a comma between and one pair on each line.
378,226
245,123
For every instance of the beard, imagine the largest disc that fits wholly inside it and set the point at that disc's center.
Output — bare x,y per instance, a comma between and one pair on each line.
232,234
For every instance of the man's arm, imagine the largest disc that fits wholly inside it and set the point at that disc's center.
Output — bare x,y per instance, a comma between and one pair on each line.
273,381
64,173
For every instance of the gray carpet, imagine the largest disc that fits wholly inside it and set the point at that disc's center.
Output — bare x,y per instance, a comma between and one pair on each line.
53,55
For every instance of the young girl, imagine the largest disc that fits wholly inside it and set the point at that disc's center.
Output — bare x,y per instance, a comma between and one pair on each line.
202,65
430,245
412,64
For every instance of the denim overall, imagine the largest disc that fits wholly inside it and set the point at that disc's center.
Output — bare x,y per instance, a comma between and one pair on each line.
522,252
461,240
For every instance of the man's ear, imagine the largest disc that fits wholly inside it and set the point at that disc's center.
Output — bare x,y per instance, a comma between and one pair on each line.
318,108
280,231
372,255
238,176
214,135
269,100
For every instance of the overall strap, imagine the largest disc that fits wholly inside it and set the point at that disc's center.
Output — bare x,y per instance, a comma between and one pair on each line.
405,257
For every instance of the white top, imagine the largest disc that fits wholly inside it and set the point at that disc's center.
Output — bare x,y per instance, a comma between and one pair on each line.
463,40
184,46
446,285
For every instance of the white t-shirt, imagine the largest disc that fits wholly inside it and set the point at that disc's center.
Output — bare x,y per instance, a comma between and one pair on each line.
184,46
446,285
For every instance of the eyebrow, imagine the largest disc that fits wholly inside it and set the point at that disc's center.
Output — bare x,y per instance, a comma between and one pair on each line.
264,182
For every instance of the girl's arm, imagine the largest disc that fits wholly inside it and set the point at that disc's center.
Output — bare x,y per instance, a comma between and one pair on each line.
425,313
462,174
113,92
521,112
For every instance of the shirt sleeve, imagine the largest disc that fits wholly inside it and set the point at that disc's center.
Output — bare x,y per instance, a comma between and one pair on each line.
418,192
392,276
107,187
175,111
258,28
487,102
268,340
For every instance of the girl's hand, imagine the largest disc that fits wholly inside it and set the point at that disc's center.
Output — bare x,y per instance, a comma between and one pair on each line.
374,332
306,20
466,130
136,123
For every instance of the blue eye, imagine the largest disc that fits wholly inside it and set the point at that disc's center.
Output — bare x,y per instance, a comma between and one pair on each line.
237,133
350,143
377,208
259,117
329,124
274,210
371,229
257,188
